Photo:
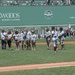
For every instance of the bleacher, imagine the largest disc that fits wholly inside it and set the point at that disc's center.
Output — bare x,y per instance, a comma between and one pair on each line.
36,2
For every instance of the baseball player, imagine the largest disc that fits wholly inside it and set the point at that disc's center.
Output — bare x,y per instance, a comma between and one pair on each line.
54,38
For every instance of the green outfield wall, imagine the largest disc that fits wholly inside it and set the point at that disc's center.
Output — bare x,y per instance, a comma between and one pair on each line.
37,15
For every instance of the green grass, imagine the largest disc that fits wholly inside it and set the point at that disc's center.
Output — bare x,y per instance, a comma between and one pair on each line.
53,71
41,40
41,55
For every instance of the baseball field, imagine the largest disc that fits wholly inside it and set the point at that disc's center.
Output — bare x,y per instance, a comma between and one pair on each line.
39,62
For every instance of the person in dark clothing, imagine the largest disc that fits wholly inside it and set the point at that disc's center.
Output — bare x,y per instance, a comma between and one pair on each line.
48,2
9,40
32,2
3,39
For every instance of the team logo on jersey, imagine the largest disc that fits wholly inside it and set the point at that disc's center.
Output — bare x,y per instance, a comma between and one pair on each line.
48,14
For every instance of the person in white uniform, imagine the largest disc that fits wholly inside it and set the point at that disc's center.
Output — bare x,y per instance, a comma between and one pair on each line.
17,39
54,38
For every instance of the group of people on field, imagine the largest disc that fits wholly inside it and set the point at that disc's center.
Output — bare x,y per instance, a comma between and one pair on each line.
26,38
54,35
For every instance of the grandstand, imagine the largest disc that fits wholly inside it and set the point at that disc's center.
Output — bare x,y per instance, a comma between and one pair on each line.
35,2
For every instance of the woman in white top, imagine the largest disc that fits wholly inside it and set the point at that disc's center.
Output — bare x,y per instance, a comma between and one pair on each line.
28,39
33,40
48,38
22,35
17,39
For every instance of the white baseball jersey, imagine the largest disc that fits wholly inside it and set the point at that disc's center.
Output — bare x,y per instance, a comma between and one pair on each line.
54,35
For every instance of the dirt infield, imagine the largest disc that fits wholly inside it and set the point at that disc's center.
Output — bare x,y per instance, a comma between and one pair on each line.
43,43
36,66
71,42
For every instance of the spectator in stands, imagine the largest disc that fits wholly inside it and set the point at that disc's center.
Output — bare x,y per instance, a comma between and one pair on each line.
32,2
48,2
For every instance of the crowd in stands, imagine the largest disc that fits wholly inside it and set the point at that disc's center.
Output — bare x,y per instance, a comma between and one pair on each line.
35,2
